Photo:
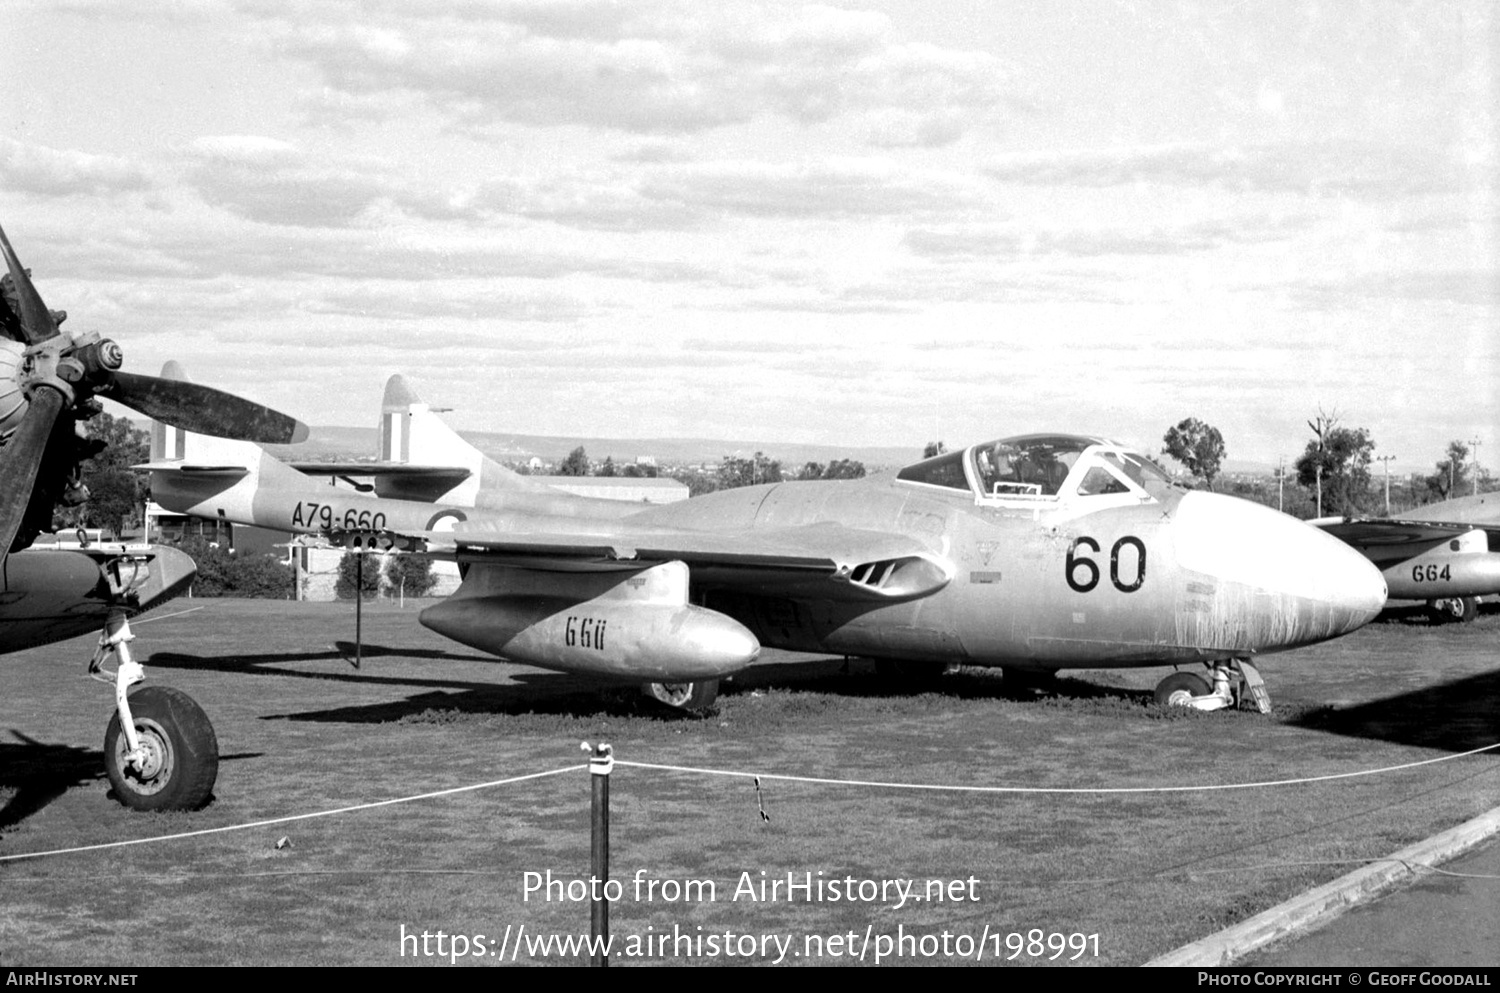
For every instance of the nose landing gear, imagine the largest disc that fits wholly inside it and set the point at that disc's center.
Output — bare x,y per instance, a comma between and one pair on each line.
1235,684
160,751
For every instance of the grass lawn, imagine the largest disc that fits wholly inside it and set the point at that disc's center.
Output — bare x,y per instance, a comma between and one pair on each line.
300,730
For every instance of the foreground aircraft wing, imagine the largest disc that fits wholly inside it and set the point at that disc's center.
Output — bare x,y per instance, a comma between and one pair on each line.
825,560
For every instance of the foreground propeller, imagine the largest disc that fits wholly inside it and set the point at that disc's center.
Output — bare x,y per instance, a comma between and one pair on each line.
48,380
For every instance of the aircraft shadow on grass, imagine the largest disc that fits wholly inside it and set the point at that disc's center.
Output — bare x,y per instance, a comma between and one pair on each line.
39,773
1458,716
571,695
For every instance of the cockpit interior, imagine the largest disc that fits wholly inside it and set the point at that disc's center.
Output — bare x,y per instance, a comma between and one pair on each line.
1030,468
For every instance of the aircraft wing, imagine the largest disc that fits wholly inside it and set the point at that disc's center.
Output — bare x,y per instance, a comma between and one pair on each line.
824,560
1389,539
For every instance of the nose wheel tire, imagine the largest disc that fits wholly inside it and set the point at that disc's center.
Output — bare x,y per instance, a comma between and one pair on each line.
1178,689
180,760
692,697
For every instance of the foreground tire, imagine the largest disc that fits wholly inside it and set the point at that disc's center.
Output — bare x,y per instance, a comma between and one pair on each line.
691,697
1457,609
182,752
1180,687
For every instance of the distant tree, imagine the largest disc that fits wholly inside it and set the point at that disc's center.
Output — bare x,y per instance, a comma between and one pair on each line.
353,576
1452,476
1344,456
222,573
576,464
1198,446
844,469
698,483
934,448
811,470
117,495
608,468
408,575
735,471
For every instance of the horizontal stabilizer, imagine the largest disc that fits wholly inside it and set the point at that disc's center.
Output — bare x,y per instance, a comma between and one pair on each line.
451,474
202,471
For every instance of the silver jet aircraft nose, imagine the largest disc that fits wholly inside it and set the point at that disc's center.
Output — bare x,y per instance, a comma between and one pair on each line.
1270,582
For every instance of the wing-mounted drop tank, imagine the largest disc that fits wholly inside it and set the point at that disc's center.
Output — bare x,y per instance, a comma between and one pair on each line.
636,624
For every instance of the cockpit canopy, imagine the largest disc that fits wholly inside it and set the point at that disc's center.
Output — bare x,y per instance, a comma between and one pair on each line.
1030,468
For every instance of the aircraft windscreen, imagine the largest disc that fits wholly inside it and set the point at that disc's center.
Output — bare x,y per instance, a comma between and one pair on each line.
945,470
1030,466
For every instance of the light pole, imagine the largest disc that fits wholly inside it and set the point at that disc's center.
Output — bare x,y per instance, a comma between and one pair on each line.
1474,448
1317,429
1387,460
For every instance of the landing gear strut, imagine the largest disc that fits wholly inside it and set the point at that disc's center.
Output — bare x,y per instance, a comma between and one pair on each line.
160,750
1234,684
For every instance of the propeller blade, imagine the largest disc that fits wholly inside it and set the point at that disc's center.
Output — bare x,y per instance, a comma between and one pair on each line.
21,458
203,409
36,321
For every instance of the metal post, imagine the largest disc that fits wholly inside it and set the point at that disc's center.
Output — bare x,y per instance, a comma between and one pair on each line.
359,608
601,764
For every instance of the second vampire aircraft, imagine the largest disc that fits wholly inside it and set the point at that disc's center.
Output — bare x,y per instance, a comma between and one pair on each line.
1447,554
1036,553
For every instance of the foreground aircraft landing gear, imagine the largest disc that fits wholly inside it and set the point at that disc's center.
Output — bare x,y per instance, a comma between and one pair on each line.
1462,609
692,697
160,750
1233,685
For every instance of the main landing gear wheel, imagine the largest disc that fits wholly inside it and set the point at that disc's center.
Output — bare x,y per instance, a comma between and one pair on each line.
1460,609
691,697
1179,688
180,754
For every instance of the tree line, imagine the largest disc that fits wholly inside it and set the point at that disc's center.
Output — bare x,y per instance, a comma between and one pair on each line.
1334,473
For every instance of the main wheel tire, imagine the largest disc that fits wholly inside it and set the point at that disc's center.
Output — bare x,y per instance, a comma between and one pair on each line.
182,752
1456,609
691,697
1180,687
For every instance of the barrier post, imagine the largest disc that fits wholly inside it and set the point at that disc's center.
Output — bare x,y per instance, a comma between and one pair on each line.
601,764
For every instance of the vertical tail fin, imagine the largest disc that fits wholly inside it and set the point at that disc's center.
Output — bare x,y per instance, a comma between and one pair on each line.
207,476
412,433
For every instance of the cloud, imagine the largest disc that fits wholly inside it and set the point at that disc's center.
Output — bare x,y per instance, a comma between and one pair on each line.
50,172
1352,169
647,67
274,182
845,189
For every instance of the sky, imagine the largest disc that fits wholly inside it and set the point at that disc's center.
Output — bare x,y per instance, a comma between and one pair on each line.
881,223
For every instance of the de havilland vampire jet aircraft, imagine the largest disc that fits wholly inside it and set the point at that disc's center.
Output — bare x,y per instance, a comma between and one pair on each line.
1447,554
159,748
1035,553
